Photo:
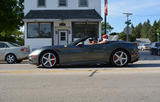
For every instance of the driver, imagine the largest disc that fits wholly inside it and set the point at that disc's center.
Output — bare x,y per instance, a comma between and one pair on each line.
92,41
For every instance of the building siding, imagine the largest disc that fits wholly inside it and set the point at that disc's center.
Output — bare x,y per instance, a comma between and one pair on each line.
53,5
35,43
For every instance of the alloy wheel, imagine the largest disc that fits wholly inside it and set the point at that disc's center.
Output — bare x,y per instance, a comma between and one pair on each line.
11,59
120,58
48,60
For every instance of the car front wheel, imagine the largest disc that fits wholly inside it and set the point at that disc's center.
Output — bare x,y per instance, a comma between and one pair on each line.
119,58
48,60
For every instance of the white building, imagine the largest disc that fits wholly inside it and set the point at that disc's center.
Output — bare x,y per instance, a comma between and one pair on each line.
59,22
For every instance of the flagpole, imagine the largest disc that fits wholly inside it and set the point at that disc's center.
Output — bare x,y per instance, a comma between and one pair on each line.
105,20
105,24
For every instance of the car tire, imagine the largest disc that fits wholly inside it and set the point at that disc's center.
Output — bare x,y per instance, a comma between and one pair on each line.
11,59
48,60
119,58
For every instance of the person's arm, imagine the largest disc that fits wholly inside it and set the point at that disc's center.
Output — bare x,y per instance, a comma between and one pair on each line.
103,41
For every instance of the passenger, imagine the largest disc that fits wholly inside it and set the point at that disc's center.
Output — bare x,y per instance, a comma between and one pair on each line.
104,39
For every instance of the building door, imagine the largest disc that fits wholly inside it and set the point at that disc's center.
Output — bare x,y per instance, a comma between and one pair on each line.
63,37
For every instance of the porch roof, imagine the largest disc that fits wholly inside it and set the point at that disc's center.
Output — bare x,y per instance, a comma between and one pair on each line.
63,14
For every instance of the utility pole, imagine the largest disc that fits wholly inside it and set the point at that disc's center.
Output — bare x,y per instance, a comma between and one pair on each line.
128,22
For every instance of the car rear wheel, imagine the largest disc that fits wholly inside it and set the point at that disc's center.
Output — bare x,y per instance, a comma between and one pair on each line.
119,58
10,58
48,60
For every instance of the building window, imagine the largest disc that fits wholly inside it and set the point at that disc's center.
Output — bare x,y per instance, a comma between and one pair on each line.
85,29
45,30
62,2
33,31
41,3
83,3
39,30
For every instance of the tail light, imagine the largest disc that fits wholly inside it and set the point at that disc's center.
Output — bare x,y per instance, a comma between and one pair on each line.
25,50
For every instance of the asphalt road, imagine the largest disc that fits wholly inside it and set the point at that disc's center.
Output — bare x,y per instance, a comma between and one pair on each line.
138,82
122,86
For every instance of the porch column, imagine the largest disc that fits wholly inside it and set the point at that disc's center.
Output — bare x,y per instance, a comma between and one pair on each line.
100,31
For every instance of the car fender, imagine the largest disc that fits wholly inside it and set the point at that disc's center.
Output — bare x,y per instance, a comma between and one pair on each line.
46,50
120,46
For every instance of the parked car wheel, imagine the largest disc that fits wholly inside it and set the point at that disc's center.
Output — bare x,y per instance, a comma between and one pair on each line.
48,60
11,58
119,58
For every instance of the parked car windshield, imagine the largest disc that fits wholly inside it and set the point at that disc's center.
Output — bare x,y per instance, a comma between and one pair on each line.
147,45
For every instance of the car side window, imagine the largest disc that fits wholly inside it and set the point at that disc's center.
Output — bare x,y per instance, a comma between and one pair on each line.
2,45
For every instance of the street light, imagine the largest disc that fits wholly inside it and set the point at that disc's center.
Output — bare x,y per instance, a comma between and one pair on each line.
128,22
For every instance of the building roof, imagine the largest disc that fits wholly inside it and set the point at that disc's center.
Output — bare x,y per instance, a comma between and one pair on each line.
63,14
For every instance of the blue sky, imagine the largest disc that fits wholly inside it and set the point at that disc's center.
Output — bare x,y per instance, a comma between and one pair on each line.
141,9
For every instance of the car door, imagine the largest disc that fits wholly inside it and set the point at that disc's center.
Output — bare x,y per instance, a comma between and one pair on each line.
84,54
97,52
73,54
3,47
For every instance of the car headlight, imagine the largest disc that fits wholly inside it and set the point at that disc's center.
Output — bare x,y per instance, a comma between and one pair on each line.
36,52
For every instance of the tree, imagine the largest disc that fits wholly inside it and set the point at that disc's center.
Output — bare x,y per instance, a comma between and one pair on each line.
123,36
145,29
158,33
132,37
15,36
152,35
108,27
153,32
11,15
137,30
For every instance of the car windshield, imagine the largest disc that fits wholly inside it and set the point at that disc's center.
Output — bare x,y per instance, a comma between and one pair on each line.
13,44
79,40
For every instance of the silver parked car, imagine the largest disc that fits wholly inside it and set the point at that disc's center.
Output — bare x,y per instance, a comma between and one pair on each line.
13,53
144,46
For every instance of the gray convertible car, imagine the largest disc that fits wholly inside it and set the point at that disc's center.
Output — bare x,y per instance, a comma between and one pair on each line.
117,53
